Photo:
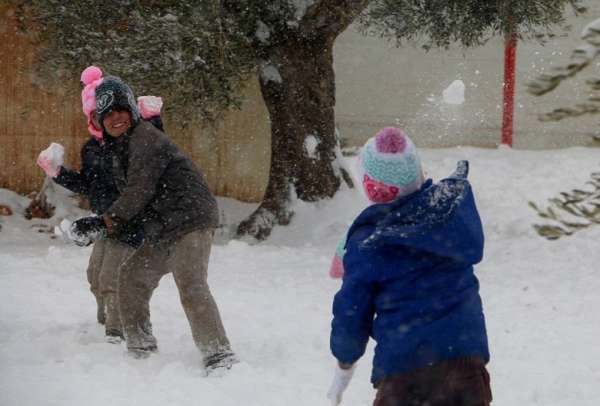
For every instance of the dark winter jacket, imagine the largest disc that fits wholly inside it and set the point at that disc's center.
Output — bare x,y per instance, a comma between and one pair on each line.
94,180
409,282
154,176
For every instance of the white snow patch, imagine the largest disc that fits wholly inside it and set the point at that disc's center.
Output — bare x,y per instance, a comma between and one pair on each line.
263,33
455,93
270,73
16,202
310,145
170,18
300,7
591,32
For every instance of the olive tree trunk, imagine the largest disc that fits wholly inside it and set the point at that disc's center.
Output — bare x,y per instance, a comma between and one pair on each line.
298,86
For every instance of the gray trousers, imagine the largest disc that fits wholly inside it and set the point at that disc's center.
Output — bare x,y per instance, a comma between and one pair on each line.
93,276
103,275
187,258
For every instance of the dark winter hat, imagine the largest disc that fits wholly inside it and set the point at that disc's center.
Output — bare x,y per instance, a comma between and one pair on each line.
113,94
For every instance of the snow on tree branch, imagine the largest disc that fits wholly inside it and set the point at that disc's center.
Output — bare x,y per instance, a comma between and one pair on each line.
176,49
581,57
571,211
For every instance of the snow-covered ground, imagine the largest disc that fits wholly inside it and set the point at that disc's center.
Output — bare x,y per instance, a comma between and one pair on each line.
541,300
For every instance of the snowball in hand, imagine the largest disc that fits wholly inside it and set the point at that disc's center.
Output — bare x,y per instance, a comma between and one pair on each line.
63,228
51,159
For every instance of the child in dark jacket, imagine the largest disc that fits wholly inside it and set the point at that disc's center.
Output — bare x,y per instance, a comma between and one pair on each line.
95,181
154,176
408,282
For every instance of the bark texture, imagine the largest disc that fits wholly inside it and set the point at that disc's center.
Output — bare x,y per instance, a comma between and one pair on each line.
298,86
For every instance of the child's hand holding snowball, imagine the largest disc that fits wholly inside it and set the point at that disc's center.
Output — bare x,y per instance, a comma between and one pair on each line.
51,159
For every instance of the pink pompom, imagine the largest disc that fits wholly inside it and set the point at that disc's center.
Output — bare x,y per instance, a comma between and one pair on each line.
90,74
390,140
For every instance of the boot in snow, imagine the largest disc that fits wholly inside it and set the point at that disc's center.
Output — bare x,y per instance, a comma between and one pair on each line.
142,353
220,360
114,336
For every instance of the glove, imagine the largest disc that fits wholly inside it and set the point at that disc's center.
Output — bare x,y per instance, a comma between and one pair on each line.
341,380
149,106
51,159
87,230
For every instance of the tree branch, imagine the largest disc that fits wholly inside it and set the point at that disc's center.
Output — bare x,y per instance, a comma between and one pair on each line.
571,212
592,107
331,17
581,57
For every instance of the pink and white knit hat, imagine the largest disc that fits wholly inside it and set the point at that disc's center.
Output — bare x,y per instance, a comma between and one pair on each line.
91,77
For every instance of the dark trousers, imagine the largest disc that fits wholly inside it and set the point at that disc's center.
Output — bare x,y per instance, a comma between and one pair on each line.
459,382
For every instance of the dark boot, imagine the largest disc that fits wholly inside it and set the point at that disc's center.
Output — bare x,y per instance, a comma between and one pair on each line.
142,353
224,359
114,336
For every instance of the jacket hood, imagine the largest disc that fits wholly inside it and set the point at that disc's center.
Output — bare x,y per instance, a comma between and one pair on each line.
439,219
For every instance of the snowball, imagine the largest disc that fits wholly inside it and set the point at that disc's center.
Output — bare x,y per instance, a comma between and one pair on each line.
455,93
54,153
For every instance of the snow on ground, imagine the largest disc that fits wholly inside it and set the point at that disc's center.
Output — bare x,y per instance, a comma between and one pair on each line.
540,297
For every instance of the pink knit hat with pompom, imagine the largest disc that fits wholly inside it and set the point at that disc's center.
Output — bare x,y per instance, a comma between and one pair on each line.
390,165
91,77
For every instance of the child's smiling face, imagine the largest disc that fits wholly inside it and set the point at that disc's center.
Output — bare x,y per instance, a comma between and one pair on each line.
117,122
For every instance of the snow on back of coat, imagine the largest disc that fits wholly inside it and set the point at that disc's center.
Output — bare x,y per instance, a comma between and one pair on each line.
434,206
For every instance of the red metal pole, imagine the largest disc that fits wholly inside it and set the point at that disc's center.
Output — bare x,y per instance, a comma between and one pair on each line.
508,105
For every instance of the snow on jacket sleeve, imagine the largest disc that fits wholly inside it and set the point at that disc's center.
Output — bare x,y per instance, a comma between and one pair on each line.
353,307
148,159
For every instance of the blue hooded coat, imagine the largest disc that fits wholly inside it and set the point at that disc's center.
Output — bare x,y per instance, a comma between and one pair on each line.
409,281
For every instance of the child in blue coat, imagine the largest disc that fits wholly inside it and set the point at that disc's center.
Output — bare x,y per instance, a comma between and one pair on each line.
408,282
